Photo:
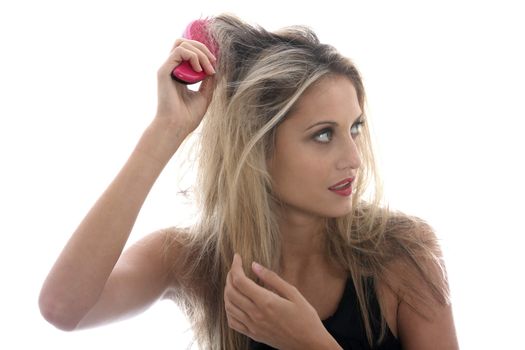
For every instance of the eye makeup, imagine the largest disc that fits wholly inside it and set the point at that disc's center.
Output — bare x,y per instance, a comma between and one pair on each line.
355,130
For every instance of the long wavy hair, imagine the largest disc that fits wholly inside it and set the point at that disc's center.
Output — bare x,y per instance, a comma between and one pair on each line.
260,77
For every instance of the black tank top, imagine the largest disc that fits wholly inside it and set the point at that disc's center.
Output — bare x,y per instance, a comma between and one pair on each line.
347,327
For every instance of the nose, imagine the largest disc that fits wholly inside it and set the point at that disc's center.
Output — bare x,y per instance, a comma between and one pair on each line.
348,156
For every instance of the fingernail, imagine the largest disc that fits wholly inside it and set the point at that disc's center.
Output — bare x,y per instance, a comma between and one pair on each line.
257,267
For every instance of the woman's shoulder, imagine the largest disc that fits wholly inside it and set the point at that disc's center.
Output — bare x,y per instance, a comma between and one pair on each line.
180,252
164,248
173,243
393,223
400,222
409,236
415,268
418,278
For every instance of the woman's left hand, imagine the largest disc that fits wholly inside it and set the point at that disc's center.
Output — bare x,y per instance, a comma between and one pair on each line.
282,319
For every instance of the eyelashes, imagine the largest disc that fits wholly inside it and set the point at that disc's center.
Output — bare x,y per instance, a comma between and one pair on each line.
326,135
358,125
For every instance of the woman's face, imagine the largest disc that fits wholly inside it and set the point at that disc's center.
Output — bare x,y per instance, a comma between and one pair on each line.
315,150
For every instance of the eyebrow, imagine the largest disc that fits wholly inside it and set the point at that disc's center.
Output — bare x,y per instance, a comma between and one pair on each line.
331,122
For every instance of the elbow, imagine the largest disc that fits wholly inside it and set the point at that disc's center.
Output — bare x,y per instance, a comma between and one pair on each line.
58,314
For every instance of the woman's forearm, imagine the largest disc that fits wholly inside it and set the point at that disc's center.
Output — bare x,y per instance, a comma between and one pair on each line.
82,269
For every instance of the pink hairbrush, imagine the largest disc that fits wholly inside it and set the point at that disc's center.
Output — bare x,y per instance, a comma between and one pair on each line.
197,30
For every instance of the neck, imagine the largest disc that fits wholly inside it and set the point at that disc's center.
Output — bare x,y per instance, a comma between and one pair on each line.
302,242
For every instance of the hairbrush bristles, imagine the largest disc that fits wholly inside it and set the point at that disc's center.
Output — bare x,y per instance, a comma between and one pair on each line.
196,30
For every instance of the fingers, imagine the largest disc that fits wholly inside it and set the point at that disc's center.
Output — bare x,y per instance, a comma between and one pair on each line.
199,56
198,44
237,325
234,296
207,88
272,280
235,303
258,295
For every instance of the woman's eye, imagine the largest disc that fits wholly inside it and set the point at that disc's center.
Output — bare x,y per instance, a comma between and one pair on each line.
324,136
356,128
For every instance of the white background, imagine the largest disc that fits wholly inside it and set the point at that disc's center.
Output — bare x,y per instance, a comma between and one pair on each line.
445,90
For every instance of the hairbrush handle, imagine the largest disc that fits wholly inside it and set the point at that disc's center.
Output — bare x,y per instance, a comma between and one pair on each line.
185,74
196,30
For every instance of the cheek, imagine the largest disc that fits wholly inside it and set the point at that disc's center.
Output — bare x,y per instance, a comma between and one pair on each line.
295,170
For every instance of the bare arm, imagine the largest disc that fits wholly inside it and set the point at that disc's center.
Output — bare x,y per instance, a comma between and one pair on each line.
86,272
141,276
419,333
436,330
76,280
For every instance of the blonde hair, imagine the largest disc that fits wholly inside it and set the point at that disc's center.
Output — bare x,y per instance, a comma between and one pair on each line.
260,77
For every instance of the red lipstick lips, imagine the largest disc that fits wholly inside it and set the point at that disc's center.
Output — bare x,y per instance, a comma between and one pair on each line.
343,188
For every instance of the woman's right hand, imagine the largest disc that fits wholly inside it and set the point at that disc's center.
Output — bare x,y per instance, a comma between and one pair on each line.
178,106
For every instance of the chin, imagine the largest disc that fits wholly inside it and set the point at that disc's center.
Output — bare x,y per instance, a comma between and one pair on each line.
339,215
322,208
341,210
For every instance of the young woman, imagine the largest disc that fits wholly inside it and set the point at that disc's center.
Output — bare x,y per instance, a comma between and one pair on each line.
292,248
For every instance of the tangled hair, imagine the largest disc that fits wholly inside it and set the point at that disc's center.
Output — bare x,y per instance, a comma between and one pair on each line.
260,77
